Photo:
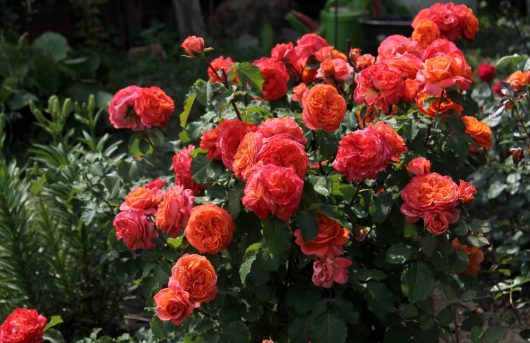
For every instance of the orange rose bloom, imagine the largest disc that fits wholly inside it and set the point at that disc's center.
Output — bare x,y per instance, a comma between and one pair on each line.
411,90
196,275
425,32
284,152
445,71
437,106
210,228
324,108
479,130
245,156
474,254
519,79
467,191
142,199
173,304
329,240
154,107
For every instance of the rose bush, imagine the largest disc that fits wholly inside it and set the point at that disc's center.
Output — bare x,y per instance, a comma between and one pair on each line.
320,203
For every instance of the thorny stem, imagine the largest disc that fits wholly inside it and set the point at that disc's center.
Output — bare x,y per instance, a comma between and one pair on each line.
224,81
436,115
455,322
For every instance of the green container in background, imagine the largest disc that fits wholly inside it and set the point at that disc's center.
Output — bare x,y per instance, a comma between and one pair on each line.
347,26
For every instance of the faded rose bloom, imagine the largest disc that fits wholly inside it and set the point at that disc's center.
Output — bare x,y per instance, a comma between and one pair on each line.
121,109
329,270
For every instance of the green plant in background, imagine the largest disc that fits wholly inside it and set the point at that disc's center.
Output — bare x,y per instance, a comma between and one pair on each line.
55,223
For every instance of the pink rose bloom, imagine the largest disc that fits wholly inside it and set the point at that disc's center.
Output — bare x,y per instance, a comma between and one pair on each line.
308,45
328,270
182,169
336,68
174,211
285,126
121,109
419,166
275,77
230,132
173,304
440,47
362,155
284,152
299,92
379,85
272,189
135,229
396,45
437,222
408,64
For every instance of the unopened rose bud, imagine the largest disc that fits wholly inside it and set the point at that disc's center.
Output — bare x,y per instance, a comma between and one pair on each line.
193,45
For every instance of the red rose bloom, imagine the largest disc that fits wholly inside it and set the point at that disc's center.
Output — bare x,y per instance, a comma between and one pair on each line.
154,107
23,326
328,270
454,21
208,140
419,166
135,229
284,126
272,189
467,191
221,66
362,155
230,132
379,85
182,168
275,78
486,72
284,152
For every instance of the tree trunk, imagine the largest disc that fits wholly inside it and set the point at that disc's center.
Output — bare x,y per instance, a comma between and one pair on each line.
189,18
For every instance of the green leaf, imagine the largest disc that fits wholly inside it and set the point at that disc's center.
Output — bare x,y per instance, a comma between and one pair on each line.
477,335
51,44
307,222
54,320
188,105
250,256
205,170
380,207
233,199
330,329
511,61
277,236
175,243
321,185
399,253
428,244
236,332
379,299
248,74
494,334
418,282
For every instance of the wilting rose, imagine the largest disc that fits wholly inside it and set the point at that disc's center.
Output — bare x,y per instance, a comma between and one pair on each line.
174,210
323,108
196,275
396,45
362,155
395,141
272,189
210,228
221,66
182,168
135,229
284,152
474,254
479,131
467,191
275,78
425,32
329,241
329,270
154,107
23,326
486,72
379,85
193,46
173,304
443,72
419,166
121,109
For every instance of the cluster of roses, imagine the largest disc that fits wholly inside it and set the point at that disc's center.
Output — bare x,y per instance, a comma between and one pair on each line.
326,247
193,281
140,108
433,197
23,326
